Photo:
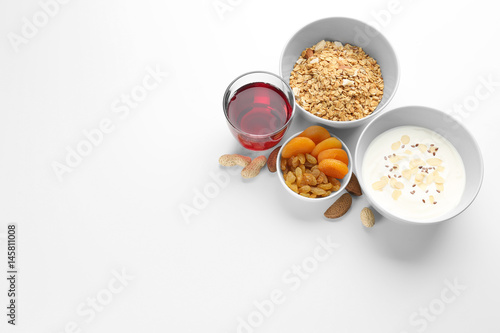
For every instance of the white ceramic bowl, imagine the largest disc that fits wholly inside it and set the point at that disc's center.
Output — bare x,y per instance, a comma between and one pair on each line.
343,182
354,32
439,122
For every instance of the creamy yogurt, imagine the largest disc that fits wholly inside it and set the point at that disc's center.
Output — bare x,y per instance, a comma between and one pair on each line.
414,173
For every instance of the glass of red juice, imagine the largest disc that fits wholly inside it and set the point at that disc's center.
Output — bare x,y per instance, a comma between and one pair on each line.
259,107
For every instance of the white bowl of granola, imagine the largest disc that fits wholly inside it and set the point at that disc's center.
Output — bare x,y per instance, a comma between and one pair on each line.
342,71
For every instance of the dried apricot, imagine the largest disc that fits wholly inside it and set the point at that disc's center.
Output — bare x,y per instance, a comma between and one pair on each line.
298,145
334,168
335,153
315,133
326,144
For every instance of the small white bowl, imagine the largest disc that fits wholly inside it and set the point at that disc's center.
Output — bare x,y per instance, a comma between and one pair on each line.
439,122
343,182
354,32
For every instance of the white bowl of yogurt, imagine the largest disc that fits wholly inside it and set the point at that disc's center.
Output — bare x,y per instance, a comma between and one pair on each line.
417,164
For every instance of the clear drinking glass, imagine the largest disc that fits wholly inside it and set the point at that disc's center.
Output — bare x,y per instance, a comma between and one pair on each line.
259,107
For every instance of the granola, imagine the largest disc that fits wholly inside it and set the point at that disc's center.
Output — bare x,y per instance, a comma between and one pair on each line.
337,82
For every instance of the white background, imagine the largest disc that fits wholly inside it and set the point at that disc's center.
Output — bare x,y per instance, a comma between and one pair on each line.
120,208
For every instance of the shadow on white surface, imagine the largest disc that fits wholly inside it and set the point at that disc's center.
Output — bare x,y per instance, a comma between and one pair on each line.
395,240
405,242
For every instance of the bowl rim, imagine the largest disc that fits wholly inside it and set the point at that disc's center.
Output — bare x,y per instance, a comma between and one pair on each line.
437,219
279,77
350,122
347,178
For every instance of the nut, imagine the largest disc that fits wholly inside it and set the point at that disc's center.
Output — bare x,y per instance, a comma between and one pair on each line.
234,159
379,185
439,180
434,161
353,186
396,145
339,207
309,53
396,184
367,217
396,194
320,46
405,139
271,160
416,163
254,167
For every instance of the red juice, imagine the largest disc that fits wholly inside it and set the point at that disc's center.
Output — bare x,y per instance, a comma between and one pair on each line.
257,111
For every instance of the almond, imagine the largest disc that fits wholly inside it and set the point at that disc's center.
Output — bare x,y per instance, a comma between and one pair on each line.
367,217
396,194
396,145
353,186
271,160
309,53
405,139
339,207
439,180
434,161
378,186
